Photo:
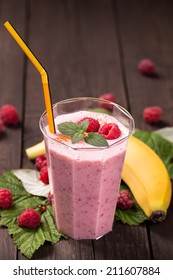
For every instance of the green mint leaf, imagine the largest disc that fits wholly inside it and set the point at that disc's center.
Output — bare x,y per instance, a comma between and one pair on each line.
78,136
83,125
133,216
27,240
96,139
68,128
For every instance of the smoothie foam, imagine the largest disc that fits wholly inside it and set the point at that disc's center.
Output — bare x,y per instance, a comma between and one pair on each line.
85,179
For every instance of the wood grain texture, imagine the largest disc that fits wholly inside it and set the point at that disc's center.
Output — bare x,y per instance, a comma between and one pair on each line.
146,32
88,48
123,243
11,88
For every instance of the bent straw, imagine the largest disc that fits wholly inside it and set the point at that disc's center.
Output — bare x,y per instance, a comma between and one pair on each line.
42,71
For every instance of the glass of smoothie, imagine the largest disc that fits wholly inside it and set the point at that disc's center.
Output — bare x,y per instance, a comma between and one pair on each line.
85,177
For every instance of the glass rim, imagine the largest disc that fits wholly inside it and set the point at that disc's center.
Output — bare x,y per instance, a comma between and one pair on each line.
122,109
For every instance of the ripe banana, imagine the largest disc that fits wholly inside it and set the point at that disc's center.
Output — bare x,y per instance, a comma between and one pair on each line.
34,151
148,179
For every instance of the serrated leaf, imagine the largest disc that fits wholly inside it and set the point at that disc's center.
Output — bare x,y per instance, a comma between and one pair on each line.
68,128
130,216
96,139
10,181
27,240
78,136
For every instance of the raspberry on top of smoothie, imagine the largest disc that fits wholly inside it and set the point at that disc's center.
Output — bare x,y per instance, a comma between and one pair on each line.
93,125
94,129
110,131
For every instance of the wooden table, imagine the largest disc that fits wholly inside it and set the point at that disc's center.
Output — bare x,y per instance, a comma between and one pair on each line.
88,48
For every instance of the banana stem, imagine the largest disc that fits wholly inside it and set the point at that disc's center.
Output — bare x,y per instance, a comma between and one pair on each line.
157,216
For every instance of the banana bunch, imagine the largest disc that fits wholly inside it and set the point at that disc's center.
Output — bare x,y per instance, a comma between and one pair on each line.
143,172
148,179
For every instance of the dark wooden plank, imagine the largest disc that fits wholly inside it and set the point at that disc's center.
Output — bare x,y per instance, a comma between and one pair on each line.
77,43
123,243
161,237
11,88
66,249
146,31
144,37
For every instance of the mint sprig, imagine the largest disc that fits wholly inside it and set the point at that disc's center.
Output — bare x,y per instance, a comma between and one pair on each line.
78,132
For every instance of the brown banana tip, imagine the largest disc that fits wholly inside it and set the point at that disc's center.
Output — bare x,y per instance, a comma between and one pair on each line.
157,216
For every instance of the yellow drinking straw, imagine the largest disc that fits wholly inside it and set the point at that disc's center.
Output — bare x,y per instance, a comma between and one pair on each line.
44,76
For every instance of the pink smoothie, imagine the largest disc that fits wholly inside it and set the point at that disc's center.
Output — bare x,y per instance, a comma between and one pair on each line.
85,180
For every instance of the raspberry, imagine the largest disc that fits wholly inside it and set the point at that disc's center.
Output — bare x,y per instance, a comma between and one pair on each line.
9,115
147,67
93,125
124,200
1,126
108,97
44,176
152,114
6,199
42,208
29,218
110,131
40,161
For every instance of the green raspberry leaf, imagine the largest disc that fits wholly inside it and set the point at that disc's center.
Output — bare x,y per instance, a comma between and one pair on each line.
130,216
68,128
27,240
96,139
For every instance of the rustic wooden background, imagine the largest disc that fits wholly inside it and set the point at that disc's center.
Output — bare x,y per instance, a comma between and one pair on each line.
89,47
